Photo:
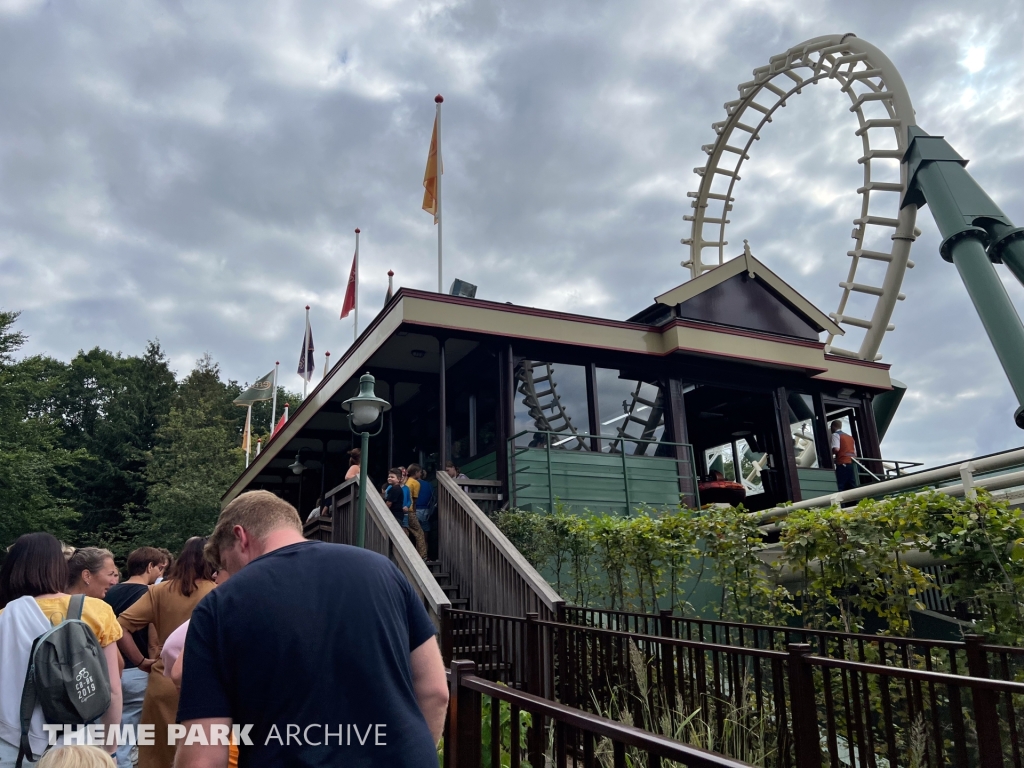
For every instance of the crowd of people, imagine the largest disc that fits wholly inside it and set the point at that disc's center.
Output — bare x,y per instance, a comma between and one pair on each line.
411,498
305,635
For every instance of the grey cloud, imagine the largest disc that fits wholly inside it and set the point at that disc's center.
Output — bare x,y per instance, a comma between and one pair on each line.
194,171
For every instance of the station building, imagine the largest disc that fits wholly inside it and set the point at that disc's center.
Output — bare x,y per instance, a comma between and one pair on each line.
723,380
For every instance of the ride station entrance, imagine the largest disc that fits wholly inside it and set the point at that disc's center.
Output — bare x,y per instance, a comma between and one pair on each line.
721,390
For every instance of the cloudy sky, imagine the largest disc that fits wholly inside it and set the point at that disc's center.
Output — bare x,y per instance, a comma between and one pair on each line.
193,171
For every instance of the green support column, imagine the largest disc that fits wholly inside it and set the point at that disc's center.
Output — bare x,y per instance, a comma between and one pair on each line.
361,511
969,221
996,311
1008,247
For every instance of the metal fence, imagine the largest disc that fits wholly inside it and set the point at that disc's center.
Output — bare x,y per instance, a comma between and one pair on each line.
849,700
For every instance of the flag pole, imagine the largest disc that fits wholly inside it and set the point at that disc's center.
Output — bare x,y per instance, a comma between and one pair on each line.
440,170
305,356
391,283
355,307
273,411
327,363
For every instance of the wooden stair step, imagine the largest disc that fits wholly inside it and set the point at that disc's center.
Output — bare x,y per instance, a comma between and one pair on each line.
475,649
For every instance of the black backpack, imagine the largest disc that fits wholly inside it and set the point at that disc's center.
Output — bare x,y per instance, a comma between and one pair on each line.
67,675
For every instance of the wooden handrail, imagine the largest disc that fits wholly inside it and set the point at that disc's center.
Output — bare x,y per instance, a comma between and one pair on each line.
384,535
469,563
404,555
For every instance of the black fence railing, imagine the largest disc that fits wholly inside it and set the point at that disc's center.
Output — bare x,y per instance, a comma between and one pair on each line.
950,656
493,725
774,696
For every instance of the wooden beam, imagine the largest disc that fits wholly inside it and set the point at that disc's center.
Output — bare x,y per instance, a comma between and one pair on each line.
788,468
442,405
676,432
593,411
505,404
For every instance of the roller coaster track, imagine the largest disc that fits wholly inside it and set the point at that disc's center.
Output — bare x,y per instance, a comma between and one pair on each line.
655,417
883,108
540,396
544,406
882,104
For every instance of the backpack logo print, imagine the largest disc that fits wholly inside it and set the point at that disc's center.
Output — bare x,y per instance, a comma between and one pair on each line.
85,686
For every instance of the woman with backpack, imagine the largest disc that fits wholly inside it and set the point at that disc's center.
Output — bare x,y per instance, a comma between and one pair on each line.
166,606
33,580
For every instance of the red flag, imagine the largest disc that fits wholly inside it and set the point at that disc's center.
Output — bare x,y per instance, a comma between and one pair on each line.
350,292
281,422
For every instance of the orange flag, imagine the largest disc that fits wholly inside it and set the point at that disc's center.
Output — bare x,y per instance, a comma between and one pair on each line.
430,177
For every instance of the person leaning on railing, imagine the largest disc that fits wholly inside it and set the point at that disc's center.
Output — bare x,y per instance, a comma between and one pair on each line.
453,471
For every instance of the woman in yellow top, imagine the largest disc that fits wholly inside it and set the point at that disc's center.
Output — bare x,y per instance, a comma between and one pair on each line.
36,568
92,572
415,529
166,606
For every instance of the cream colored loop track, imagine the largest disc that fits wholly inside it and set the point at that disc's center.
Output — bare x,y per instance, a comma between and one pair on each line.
882,105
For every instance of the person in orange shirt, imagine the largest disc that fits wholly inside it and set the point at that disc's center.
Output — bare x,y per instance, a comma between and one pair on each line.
843,451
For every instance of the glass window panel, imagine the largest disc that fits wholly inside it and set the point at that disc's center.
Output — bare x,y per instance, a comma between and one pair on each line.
802,420
719,461
630,407
551,398
751,464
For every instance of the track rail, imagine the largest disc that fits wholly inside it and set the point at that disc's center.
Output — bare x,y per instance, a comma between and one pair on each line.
540,396
880,100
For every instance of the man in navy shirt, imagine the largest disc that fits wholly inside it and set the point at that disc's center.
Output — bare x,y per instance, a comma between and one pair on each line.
319,654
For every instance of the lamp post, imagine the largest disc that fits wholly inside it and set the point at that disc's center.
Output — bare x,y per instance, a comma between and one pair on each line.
298,468
363,410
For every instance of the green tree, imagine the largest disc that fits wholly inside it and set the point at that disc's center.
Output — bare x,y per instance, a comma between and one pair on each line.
111,406
196,457
32,461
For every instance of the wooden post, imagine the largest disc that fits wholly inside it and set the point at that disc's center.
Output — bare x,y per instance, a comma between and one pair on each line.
464,719
593,411
447,640
677,432
823,437
442,405
534,682
986,710
668,667
505,418
869,442
803,708
787,461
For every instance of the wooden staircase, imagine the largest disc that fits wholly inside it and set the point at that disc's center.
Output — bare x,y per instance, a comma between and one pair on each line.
444,581
471,643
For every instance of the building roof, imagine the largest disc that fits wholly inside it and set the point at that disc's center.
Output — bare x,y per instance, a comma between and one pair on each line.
761,280
412,309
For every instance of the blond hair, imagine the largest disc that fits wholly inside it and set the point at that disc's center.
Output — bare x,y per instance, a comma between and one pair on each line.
75,756
259,513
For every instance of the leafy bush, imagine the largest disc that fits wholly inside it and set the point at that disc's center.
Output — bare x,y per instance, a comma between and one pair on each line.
844,568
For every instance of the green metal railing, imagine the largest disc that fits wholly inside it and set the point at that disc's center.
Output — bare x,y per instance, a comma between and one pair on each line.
549,443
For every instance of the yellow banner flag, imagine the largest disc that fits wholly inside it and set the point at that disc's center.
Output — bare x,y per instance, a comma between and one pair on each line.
247,433
430,177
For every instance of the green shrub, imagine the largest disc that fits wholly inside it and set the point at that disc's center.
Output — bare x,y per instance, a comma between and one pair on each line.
854,567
